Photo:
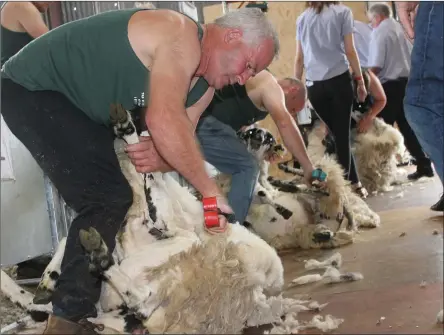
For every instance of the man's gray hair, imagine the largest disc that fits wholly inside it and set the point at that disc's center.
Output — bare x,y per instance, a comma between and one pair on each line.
380,8
254,25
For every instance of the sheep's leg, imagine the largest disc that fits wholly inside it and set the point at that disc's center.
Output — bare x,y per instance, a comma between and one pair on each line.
287,169
284,185
339,220
266,199
351,225
101,262
43,294
318,213
100,259
123,124
23,298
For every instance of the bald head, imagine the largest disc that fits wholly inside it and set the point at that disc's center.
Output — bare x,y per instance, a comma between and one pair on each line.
295,94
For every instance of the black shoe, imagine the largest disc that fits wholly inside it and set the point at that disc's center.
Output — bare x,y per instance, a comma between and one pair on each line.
421,172
406,163
439,206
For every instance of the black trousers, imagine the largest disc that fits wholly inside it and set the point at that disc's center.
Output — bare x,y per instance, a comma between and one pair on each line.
332,100
77,154
394,112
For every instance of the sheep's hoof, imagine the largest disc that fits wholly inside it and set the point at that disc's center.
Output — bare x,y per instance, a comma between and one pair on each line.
118,114
100,259
322,237
42,296
90,240
282,211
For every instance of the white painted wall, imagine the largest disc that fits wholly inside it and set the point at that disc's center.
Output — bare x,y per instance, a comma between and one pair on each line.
24,224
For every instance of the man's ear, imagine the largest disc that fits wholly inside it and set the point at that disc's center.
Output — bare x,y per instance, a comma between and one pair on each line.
233,35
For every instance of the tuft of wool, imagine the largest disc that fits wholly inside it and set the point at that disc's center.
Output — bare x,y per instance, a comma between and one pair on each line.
333,261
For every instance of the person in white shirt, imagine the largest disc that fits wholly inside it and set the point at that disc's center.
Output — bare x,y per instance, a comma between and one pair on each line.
362,34
326,50
389,58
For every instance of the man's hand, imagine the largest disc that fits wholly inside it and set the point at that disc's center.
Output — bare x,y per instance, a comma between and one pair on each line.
311,181
362,92
223,206
365,123
407,13
145,157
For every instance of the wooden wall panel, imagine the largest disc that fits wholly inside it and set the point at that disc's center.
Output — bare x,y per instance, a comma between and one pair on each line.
284,15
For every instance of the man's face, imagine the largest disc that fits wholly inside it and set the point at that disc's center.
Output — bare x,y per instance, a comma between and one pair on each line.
235,62
294,99
375,20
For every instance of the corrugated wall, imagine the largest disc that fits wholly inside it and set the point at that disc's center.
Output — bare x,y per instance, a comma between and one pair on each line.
74,10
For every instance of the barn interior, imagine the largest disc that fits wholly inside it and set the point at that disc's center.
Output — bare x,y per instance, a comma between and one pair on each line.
401,260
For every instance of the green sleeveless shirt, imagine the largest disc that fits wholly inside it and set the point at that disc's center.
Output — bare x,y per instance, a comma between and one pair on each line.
92,63
12,42
232,106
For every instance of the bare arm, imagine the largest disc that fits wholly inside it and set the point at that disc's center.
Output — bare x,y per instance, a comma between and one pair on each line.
378,94
194,112
274,101
173,66
31,20
352,55
299,61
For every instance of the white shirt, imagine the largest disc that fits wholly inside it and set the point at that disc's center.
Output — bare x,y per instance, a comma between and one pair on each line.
390,51
362,33
322,40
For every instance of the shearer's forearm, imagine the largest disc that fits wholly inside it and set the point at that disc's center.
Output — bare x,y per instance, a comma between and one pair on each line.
173,138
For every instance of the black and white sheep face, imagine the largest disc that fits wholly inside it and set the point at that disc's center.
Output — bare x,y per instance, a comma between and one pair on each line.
261,143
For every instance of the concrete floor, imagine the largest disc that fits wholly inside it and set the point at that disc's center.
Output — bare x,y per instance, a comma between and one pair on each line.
395,259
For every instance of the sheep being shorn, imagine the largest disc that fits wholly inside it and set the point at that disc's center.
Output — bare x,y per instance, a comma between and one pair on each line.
376,155
377,152
342,199
167,274
286,217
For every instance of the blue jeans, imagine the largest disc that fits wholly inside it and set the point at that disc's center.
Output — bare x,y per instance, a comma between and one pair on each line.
225,151
424,98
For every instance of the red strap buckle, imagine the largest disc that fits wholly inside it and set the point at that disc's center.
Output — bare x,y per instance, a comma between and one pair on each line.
211,215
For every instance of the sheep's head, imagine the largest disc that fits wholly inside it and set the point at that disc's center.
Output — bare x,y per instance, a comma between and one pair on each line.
261,143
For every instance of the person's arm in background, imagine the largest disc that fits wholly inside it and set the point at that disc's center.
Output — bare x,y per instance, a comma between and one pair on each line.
406,11
194,112
273,100
31,19
379,100
299,61
299,58
351,53
377,92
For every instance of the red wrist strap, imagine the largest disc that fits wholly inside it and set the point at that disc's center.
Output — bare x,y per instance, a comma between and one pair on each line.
209,204
358,78
211,216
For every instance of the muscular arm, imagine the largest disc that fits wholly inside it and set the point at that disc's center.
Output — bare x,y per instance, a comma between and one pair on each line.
274,101
31,20
173,66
